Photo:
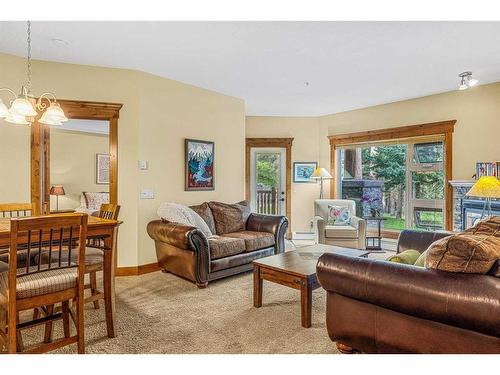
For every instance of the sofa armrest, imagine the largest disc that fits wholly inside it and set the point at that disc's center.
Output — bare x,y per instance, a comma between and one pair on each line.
319,225
174,234
463,300
184,238
277,225
360,225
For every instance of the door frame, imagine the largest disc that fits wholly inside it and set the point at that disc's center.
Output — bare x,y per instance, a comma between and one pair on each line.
444,128
272,142
40,148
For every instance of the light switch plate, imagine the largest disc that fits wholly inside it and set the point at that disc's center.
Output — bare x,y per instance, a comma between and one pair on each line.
147,194
143,165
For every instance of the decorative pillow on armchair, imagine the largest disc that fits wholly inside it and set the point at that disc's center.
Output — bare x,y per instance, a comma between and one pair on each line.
338,215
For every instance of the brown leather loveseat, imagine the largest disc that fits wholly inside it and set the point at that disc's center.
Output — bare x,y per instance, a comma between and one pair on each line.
384,307
241,237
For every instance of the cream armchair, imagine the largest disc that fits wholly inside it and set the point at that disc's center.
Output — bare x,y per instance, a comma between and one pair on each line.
352,235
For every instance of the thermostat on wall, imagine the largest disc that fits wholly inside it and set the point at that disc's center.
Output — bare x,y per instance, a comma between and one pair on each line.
147,194
143,165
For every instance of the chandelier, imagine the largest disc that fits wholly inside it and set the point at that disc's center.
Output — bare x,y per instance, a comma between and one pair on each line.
23,107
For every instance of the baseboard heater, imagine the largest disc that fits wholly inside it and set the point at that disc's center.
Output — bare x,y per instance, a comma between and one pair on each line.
302,236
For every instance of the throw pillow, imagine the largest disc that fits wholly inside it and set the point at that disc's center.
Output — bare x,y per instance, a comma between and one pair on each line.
229,217
178,213
475,250
338,215
405,257
206,214
420,262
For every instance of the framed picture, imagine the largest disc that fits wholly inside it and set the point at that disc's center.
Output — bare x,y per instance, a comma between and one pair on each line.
302,171
200,160
102,169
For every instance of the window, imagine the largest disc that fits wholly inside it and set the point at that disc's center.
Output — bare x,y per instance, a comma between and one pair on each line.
402,181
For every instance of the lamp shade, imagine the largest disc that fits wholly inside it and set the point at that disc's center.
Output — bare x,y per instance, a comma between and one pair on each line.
23,107
57,190
321,173
485,187
54,115
4,111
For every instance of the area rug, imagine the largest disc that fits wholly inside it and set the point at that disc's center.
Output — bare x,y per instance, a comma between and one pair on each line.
161,313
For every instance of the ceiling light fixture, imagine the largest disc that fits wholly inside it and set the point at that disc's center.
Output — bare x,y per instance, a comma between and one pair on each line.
466,81
23,107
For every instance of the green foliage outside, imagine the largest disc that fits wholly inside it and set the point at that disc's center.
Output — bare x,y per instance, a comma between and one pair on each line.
388,163
268,167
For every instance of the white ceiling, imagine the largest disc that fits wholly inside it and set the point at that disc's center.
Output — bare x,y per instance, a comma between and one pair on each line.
348,64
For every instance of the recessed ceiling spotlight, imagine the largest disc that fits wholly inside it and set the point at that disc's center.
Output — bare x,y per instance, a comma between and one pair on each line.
467,81
59,42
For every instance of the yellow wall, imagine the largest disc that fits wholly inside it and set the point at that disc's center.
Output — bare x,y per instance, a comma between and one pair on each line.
75,171
476,137
14,163
157,115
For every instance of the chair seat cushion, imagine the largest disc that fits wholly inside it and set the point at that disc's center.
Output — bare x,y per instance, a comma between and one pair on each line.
340,231
221,247
41,283
93,257
253,240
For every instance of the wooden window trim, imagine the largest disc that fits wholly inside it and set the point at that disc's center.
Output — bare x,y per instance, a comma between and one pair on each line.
272,142
40,148
445,128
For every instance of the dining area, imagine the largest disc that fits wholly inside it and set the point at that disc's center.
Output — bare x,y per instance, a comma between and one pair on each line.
57,261
49,266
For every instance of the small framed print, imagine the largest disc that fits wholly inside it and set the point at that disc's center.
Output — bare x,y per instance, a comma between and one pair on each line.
102,169
302,171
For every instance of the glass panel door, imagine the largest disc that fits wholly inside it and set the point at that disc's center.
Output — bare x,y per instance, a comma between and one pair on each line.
267,180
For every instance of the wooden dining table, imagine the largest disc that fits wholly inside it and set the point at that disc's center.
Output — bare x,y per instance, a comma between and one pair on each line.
97,228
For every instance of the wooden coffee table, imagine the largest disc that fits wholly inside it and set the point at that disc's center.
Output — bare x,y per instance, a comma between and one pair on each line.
296,269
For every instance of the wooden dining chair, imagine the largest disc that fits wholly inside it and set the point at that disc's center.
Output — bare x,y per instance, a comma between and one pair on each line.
94,262
35,287
10,210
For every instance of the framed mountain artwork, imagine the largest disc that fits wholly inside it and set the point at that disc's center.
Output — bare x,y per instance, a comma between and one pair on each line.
200,160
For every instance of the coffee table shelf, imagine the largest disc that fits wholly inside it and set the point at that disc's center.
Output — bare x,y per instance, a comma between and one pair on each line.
295,269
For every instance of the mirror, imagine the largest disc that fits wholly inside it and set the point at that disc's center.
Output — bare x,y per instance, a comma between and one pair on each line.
79,166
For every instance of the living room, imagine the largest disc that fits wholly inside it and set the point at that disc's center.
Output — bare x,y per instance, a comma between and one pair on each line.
335,191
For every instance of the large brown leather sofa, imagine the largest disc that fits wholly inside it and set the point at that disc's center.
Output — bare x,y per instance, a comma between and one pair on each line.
384,307
185,251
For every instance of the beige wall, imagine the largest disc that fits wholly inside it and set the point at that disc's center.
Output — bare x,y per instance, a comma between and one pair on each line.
476,137
14,163
75,171
157,115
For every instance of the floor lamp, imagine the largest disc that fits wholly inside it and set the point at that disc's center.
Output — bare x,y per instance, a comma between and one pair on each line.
486,187
321,174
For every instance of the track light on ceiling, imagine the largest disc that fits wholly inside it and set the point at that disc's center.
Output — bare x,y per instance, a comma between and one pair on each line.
466,81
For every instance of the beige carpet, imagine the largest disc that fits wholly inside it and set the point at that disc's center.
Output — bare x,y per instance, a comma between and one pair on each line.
161,313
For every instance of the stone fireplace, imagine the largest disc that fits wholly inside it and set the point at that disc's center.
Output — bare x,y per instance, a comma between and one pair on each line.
467,210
